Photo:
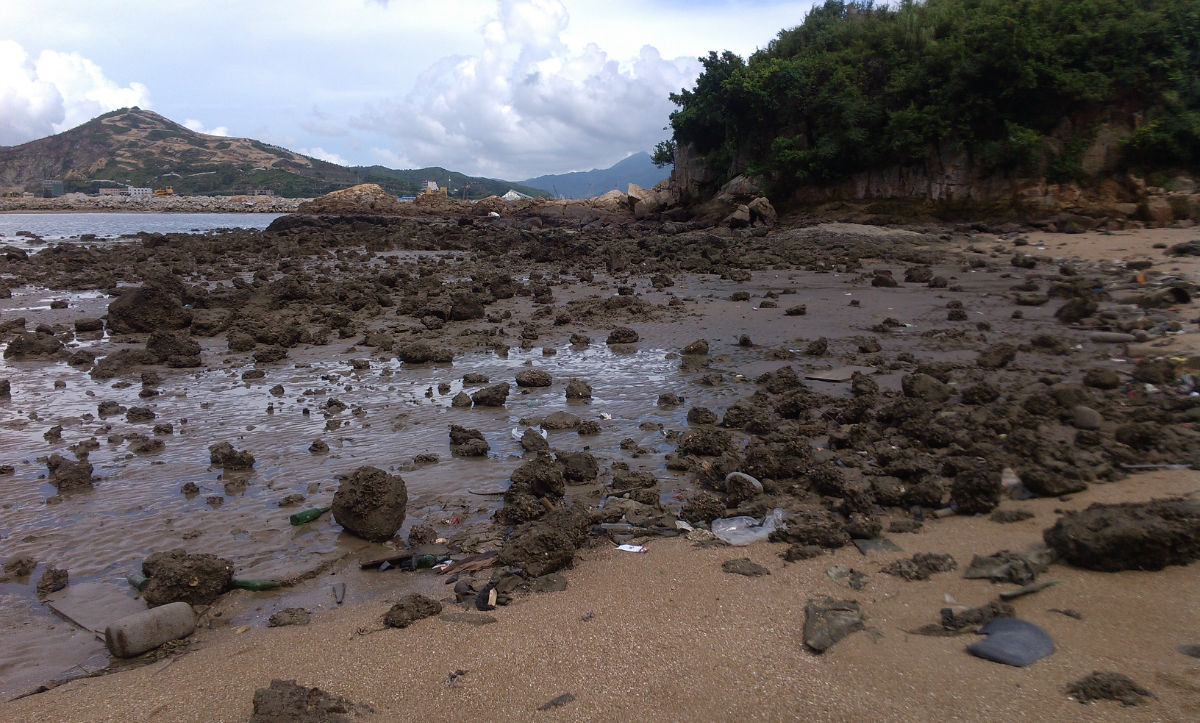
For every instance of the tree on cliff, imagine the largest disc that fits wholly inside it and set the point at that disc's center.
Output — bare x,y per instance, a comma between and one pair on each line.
1020,85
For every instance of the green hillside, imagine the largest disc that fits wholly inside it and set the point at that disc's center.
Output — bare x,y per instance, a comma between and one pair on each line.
1021,85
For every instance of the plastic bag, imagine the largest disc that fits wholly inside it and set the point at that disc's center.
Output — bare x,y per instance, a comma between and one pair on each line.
740,531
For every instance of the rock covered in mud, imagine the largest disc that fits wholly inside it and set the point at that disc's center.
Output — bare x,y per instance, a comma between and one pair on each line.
1129,536
177,576
542,475
925,388
534,378
174,348
52,580
700,346
286,701
422,352
32,346
1108,686
154,306
622,335
976,489
493,396
547,544
370,503
410,609
578,389
467,442
69,476
222,454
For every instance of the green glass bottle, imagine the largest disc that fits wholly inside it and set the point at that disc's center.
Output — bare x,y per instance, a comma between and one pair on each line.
253,583
308,515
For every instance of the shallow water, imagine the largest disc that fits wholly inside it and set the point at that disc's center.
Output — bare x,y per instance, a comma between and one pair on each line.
66,226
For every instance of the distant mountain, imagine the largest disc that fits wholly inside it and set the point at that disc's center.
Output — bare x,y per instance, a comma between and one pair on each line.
138,147
637,168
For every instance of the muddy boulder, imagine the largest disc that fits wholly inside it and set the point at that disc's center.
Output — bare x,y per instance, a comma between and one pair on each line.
156,305
422,352
284,700
69,476
925,387
493,396
533,378
222,454
976,490
578,389
467,442
177,576
411,608
542,475
370,503
174,348
33,346
622,335
1129,536
547,544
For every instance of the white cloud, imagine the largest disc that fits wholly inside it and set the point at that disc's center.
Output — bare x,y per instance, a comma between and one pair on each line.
529,104
56,92
194,125
323,155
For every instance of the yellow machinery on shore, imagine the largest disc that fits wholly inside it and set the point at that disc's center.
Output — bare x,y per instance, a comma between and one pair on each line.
164,191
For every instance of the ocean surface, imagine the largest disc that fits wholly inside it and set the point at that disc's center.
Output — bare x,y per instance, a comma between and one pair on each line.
67,226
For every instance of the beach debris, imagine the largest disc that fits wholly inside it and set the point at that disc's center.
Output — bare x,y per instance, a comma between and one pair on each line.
1192,651
288,616
52,580
875,544
454,679
920,566
1012,642
306,516
633,548
146,630
744,530
557,702
826,621
1129,536
284,700
1108,686
370,503
1028,590
339,592
744,566
1015,567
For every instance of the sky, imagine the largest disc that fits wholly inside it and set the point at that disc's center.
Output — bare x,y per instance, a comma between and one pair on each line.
500,88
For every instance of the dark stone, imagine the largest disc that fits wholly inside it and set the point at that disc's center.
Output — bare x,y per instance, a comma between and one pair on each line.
996,356
578,389
1012,642
1108,686
976,490
533,378
288,616
422,352
154,306
622,335
925,387
920,566
222,454
69,476
493,396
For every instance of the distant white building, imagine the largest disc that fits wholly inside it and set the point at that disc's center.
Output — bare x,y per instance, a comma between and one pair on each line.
135,191
514,195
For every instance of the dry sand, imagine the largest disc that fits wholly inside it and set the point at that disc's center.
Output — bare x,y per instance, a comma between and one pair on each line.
671,636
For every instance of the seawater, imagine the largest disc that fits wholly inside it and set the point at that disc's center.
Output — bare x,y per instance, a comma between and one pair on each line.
67,226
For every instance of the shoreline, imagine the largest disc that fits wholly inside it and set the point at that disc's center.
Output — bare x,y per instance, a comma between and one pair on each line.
79,203
629,629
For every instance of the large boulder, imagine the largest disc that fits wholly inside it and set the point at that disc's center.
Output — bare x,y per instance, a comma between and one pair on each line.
155,305
69,476
175,348
370,503
176,576
1131,536
421,352
32,346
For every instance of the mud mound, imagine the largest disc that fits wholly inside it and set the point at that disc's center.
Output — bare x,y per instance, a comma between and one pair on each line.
1130,536
1108,686
176,576
287,702
545,545
371,503
410,609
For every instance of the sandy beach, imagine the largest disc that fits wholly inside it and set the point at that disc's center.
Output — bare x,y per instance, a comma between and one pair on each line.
668,633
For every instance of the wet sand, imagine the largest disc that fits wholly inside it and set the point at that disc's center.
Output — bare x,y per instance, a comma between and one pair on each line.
667,634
